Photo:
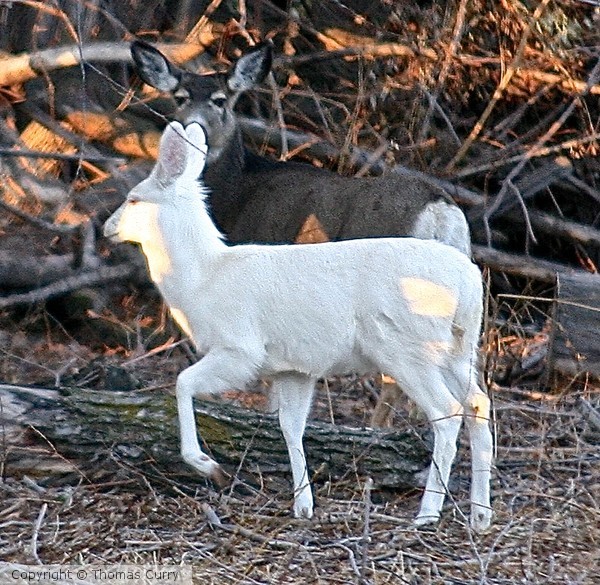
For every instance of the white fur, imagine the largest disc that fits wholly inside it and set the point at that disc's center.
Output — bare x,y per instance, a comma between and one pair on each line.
445,223
406,307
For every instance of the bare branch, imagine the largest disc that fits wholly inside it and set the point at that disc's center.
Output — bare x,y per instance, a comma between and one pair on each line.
26,66
101,275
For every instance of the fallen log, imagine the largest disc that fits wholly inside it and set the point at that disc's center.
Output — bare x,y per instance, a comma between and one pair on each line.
33,271
519,265
574,343
74,281
64,435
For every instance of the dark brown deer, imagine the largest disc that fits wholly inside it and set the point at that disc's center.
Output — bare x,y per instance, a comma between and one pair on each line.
254,199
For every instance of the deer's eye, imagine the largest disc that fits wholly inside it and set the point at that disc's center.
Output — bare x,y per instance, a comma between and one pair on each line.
133,201
181,96
219,99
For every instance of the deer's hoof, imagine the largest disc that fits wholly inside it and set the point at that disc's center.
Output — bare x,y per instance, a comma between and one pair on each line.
426,519
220,477
303,504
481,519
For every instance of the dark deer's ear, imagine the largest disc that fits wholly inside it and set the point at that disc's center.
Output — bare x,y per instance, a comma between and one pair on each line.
252,68
153,67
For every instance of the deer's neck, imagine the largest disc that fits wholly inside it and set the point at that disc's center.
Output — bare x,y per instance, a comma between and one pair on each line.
180,256
223,177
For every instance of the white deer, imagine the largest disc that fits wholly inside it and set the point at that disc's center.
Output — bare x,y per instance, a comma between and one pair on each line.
410,308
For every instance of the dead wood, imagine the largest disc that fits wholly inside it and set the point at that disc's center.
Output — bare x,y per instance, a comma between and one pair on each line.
526,74
507,183
94,433
306,145
60,156
37,221
503,84
544,222
532,182
86,149
368,49
519,265
574,345
570,86
18,271
579,186
21,183
27,66
73,280
591,413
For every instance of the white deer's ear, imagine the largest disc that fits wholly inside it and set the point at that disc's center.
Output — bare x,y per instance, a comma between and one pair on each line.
197,147
172,154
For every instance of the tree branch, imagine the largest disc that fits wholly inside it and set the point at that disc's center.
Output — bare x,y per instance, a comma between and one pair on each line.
27,66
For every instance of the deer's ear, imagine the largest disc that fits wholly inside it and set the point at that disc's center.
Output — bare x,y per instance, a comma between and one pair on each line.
197,148
172,154
252,68
153,67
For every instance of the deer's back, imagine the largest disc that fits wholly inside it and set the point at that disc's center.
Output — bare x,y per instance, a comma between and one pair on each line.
278,198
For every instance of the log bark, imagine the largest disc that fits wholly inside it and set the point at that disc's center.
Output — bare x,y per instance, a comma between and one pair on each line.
519,265
33,271
60,435
574,344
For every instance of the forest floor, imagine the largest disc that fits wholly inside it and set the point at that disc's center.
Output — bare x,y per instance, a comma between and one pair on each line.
546,500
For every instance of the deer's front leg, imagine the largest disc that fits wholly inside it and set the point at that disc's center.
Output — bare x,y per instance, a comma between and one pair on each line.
217,372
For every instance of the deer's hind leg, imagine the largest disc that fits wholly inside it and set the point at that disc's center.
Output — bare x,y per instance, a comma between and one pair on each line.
426,386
